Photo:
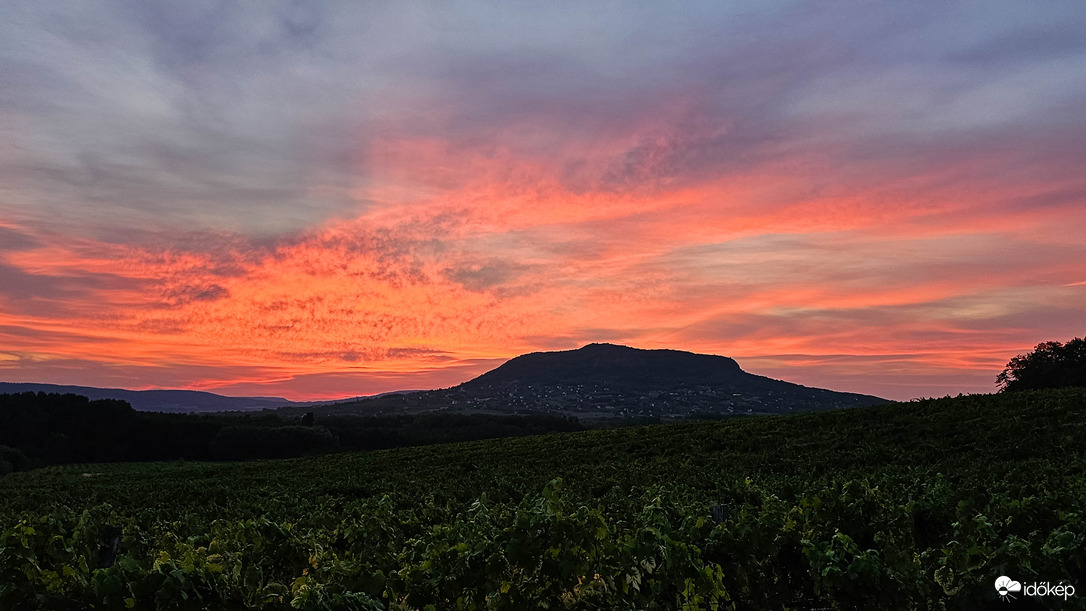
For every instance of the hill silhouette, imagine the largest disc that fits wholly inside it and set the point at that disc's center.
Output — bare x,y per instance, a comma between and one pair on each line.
619,366
604,381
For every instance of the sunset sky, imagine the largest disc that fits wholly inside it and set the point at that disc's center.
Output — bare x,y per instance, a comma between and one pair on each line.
324,200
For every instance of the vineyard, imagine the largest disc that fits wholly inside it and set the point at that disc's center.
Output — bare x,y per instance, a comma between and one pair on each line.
905,506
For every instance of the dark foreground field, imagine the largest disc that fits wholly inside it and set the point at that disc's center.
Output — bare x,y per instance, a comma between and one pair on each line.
919,505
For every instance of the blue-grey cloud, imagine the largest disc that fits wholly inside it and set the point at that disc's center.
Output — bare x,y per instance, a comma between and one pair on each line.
13,239
55,295
191,116
255,118
189,293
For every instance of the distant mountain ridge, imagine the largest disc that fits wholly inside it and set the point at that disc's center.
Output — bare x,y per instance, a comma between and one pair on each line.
174,401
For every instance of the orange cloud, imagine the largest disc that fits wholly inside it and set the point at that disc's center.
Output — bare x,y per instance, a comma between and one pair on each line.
465,252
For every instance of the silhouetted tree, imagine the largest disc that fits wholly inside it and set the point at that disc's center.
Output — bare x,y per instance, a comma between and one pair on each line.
1050,365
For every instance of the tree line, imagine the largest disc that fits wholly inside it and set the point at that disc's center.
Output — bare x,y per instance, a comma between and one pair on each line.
39,429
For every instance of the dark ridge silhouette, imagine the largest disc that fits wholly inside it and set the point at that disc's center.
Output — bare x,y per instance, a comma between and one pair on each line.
605,382
172,401
620,366
609,378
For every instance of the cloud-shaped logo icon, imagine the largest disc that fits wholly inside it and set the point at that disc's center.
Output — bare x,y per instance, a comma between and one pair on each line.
1005,586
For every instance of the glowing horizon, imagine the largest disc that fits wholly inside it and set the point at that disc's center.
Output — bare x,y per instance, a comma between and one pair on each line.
851,200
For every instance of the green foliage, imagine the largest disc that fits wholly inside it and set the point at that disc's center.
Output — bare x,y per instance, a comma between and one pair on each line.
909,506
271,442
